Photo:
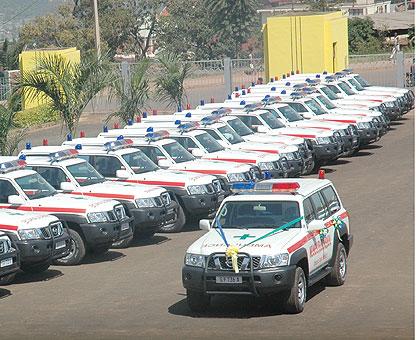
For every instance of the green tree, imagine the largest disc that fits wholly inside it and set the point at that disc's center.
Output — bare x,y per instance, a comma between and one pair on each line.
66,87
363,39
9,55
132,96
10,136
234,19
170,79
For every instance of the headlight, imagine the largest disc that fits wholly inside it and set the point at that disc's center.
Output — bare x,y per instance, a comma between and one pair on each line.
363,125
275,260
194,260
266,165
97,217
145,202
323,140
30,234
236,177
196,189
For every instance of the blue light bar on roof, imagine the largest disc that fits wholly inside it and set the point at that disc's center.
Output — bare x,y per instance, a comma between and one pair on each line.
312,82
158,135
295,95
243,186
62,155
243,102
12,166
252,107
271,100
223,111
348,70
188,126
118,144
209,120
299,86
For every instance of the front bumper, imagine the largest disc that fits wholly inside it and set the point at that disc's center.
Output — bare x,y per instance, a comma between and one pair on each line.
326,152
126,230
295,168
101,234
36,251
202,205
368,135
14,266
257,282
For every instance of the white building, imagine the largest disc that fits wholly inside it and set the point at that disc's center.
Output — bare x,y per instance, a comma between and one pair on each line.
366,7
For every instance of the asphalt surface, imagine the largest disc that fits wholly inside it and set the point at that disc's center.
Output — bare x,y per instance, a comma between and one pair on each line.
138,292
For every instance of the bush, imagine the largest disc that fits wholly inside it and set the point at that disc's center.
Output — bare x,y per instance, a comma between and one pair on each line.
36,116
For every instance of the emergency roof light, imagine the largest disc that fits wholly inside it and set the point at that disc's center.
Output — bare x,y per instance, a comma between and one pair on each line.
347,70
190,126
223,111
329,79
118,144
62,155
296,95
299,86
243,186
271,100
13,165
308,90
209,120
288,187
313,82
252,107
28,146
339,74
155,136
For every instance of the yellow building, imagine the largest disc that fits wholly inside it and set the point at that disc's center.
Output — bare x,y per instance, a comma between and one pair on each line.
305,42
28,62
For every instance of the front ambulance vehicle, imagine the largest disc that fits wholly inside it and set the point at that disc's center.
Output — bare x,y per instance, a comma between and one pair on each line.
263,266
9,259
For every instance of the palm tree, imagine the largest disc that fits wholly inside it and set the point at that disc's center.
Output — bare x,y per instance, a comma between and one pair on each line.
65,86
10,136
132,94
170,80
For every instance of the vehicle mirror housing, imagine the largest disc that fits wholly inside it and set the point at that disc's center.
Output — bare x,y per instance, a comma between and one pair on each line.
15,199
197,152
67,186
205,225
122,174
164,163
316,225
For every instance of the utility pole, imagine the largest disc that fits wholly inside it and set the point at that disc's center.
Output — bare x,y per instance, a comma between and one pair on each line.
97,35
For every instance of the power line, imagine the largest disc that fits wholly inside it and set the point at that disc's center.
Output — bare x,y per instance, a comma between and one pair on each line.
21,12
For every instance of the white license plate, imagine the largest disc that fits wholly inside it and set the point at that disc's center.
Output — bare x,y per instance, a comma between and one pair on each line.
228,279
60,244
6,262
125,226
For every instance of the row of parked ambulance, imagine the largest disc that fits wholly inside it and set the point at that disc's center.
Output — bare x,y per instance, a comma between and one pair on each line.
90,194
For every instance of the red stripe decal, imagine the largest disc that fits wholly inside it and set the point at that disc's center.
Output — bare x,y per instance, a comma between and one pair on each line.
161,183
299,135
103,195
207,172
235,160
318,127
8,227
341,120
45,209
267,151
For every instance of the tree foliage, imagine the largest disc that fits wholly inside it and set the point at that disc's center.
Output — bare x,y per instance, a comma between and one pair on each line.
9,53
363,38
10,136
65,86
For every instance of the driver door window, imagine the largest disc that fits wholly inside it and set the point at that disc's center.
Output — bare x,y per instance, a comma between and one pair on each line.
6,190
153,153
107,166
321,211
53,176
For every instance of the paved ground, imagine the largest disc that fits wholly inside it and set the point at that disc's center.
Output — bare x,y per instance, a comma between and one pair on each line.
138,292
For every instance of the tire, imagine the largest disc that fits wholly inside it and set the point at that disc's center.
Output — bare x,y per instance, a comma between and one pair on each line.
198,302
177,226
294,299
338,275
36,268
7,280
77,250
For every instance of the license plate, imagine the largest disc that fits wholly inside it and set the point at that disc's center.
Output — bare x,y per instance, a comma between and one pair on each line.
125,226
6,262
228,279
60,244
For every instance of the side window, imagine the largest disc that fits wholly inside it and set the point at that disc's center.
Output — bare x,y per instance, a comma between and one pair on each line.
153,153
308,211
6,190
86,158
331,199
53,176
186,142
298,107
213,134
107,165
321,211
255,121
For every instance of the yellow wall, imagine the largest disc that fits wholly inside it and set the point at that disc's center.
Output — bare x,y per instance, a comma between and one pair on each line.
28,62
305,43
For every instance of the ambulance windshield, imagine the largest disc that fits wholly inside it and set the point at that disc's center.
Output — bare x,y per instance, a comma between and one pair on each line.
258,214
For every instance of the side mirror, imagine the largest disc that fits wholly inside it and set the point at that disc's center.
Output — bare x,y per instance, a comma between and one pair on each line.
306,115
122,174
197,152
67,186
164,163
15,199
205,225
262,129
255,128
316,225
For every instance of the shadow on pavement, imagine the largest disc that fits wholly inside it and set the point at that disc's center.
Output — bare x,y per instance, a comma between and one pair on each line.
50,274
156,239
372,146
394,123
340,161
238,307
362,154
4,293
109,256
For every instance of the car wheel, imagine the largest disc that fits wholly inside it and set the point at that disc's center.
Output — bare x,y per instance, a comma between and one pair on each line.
35,268
177,226
77,250
198,302
295,298
338,275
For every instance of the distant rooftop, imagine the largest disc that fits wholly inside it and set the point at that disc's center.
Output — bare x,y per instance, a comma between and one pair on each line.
393,21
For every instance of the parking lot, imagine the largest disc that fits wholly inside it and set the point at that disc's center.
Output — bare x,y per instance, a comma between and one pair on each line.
137,292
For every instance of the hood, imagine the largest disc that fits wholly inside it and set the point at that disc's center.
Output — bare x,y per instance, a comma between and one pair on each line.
276,138
241,156
120,190
310,133
204,166
362,111
212,242
170,178
65,203
349,119
275,148
323,124
15,220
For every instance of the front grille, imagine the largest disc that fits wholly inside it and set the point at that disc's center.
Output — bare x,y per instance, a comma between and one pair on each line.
221,262
46,233
217,185
158,202
277,165
56,229
296,155
209,188
120,212
337,137
256,173
166,198
2,247
111,216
